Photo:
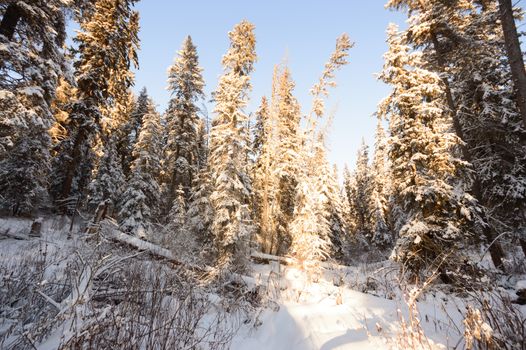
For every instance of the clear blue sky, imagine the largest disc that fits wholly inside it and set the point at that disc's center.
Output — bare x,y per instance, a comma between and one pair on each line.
302,31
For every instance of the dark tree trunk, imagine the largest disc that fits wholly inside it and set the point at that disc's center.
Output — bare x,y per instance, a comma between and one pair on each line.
495,249
36,228
523,245
11,17
73,165
514,53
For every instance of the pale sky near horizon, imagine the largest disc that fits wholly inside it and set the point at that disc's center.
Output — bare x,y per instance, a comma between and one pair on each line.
302,32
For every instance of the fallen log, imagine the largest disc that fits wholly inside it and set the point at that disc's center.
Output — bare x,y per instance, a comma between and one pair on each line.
267,258
8,234
110,232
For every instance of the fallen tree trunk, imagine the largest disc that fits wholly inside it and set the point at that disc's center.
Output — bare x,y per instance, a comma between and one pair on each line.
112,233
266,258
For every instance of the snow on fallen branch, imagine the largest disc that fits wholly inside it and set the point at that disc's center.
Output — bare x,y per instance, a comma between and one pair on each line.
262,257
112,233
259,257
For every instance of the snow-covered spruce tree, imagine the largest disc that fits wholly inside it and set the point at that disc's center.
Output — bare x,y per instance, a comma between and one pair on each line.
107,45
109,179
361,197
142,107
464,42
231,188
310,226
200,213
327,183
263,179
109,175
491,123
349,190
178,212
275,169
128,132
285,157
202,144
260,129
381,234
185,83
432,204
65,92
139,204
31,60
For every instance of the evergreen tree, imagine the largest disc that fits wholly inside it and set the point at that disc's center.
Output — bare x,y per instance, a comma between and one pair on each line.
231,188
107,47
491,123
142,107
464,42
264,179
361,197
275,169
432,205
139,204
109,179
260,131
31,60
349,191
128,133
178,213
327,183
200,213
379,202
185,83
286,155
310,228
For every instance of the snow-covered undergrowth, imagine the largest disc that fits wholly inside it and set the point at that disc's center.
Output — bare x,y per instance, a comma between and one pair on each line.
87,292
111,291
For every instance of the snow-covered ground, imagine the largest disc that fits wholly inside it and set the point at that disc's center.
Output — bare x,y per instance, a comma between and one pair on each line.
358,307
322,315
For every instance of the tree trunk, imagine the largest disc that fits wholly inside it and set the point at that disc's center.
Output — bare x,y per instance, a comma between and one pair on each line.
100,214
36,228
11,17
495,249
523,245
514,53
73,164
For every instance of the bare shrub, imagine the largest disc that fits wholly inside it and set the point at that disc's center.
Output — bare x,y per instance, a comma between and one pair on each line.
152,307
104,296
493,322
28,285
379,279
410,334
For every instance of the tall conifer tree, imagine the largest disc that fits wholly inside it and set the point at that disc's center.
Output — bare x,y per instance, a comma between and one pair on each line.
231,187
31,61
185,83
433,207
139,204
107,48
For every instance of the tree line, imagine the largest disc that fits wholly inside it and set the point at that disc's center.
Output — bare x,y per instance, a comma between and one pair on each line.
447,171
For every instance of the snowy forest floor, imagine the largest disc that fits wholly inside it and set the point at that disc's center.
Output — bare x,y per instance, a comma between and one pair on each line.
110,291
